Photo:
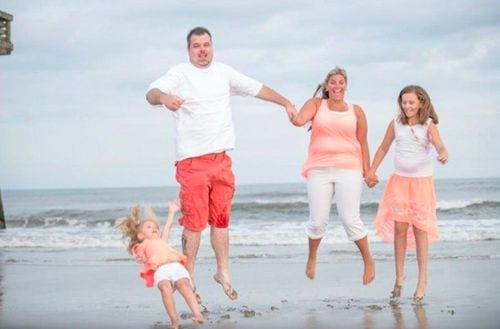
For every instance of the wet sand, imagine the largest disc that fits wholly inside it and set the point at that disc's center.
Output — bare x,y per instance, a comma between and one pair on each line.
462,293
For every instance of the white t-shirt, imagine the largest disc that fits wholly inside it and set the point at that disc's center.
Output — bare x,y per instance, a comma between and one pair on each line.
412,157
204,123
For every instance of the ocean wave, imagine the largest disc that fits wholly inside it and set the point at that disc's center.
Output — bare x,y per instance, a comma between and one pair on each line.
464,204
243,233
65,218
284,210
302,205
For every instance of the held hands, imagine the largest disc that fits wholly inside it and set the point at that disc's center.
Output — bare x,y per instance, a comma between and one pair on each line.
291,111
443,156
173,207
172,102
371,179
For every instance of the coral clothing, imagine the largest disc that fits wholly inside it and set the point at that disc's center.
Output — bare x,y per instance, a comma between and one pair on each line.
152,253
203,123
207,188
334,142
409,195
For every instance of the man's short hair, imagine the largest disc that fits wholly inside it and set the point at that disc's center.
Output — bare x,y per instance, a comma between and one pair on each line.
199,30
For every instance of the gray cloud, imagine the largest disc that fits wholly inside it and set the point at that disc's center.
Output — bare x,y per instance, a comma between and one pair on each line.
72,92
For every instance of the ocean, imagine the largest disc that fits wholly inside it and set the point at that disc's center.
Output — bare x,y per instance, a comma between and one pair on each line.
267,223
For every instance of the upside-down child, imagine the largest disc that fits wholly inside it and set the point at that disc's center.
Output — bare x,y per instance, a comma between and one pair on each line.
162,266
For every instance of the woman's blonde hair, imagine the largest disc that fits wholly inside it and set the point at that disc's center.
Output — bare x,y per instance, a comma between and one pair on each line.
129,225
324,93
426,110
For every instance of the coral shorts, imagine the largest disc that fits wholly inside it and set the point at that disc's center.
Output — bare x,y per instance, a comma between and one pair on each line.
207,189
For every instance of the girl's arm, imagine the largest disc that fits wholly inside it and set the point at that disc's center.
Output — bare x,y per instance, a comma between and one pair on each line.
380,154
438,143
173,207
361,131
307,112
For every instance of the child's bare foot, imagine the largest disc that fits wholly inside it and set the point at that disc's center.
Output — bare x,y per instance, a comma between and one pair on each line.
311,268
419,294
398,286
197,318
369,272
196,294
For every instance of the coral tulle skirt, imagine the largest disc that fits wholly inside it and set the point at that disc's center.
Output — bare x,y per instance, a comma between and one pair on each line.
409,200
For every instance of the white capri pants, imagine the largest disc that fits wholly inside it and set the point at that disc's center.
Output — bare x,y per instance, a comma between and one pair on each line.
345,185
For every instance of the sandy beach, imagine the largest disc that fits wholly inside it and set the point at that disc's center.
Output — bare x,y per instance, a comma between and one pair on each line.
63,265
75,291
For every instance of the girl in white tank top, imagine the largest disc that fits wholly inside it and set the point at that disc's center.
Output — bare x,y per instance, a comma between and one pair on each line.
407,211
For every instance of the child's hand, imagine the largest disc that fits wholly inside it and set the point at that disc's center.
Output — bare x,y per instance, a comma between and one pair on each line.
371,180
173,207
443,157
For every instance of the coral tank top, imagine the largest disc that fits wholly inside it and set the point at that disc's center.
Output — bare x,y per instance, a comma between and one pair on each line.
333,140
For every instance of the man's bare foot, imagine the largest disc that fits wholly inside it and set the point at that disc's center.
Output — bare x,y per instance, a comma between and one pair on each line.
311,268
228,289
369,272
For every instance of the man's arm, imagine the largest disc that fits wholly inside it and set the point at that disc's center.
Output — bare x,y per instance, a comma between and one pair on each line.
267,94
156,97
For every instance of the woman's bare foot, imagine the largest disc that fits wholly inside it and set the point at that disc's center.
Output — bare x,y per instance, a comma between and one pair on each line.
174,325
399,280
369,272
197,318
311,268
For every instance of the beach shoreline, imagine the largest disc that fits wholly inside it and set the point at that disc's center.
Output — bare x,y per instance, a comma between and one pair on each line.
462,293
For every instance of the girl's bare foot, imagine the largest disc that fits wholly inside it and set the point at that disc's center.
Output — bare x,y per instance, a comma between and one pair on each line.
398,286
419,294
311,268
369,272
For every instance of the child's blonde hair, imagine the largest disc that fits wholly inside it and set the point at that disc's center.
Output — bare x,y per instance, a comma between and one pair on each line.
129,226
426,110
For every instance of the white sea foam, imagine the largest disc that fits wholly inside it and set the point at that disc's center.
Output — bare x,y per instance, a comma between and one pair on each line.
250,233
456,204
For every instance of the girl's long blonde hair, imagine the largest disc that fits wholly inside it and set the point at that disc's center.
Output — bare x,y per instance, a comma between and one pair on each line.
129,225
426,110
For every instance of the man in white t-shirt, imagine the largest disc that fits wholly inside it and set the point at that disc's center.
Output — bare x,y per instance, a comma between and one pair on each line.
198,94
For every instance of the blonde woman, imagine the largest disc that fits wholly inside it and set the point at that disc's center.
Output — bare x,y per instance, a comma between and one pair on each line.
338,158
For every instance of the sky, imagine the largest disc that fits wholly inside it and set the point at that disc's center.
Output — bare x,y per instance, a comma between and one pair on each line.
73,112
